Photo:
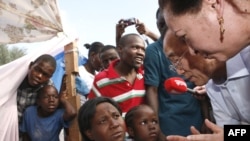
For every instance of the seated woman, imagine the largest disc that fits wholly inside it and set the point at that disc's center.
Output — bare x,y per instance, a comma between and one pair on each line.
100,119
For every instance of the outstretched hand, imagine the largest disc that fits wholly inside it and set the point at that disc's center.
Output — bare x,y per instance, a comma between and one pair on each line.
200,92
63,91
141,28
120,27
217,135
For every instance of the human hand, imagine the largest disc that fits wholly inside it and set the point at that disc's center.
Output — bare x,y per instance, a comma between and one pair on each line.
218,134
200,89
120,27
194,131
140,27
200,92
63,91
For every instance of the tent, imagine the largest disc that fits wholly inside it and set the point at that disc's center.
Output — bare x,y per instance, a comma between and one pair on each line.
25,22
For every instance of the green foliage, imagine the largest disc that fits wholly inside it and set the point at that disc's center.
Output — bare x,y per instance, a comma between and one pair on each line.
10,54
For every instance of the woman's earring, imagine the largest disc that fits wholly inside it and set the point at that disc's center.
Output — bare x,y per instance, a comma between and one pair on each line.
222,30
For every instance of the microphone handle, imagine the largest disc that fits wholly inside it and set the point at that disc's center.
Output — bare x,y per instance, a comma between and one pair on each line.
191,91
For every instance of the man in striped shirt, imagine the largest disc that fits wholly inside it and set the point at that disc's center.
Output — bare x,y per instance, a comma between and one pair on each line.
123,80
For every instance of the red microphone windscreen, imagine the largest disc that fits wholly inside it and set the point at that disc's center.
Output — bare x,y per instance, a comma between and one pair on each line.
175,85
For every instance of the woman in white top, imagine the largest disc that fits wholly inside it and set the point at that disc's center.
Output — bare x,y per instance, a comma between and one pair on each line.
88,70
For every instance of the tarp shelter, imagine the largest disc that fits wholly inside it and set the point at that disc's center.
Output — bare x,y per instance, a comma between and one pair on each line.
24,22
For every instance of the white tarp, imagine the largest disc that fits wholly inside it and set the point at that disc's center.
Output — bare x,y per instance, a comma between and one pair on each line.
22,22
28,20
11,75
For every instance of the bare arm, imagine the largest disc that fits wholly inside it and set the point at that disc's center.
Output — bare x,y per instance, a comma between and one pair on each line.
142,29
70,111
119,30
152,97
152,35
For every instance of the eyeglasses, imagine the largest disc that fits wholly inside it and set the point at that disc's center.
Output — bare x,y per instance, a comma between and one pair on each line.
177,65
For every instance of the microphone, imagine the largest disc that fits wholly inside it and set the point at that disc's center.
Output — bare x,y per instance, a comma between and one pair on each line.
177,85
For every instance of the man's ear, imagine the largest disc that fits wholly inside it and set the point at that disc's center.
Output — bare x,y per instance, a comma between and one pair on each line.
130,132
89,134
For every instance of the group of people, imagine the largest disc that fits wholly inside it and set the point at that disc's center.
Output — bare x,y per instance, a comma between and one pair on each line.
42,111
100,119
212,50
134,80
122,86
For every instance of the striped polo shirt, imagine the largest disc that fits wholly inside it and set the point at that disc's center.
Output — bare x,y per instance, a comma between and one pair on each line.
109,83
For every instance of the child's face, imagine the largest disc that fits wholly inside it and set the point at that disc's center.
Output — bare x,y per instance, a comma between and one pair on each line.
107,124
40,72
49,100
145,125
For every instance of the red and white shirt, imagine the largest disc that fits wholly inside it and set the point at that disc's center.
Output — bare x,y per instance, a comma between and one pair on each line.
109,83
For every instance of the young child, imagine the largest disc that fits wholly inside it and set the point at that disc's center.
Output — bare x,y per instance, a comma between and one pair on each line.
44,121
142,124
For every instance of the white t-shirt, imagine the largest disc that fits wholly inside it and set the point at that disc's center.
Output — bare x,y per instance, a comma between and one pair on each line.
88,79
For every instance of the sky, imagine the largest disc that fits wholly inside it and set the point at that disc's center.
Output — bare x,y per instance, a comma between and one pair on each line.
95,20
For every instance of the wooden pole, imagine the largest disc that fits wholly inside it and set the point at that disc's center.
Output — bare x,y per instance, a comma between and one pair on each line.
71,68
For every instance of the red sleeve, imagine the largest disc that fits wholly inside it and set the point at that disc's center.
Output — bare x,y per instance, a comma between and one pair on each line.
95,91
91,94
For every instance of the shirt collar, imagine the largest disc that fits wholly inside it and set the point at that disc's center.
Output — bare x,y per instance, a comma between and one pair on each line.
236,67
113,74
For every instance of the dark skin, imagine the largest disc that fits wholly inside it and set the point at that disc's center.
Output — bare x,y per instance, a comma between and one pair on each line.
93,64
107,124
49,101
131,58
108,56
39,73
145,125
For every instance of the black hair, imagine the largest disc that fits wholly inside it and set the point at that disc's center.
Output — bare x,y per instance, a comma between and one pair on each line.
107,47
95,47
46,58
161,24
87,112
179,7
41,91
130,115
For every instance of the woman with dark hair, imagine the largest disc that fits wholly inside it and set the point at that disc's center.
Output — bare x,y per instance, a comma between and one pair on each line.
100,119
88,70
94,63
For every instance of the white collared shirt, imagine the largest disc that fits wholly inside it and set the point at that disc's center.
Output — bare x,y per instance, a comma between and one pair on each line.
231,99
